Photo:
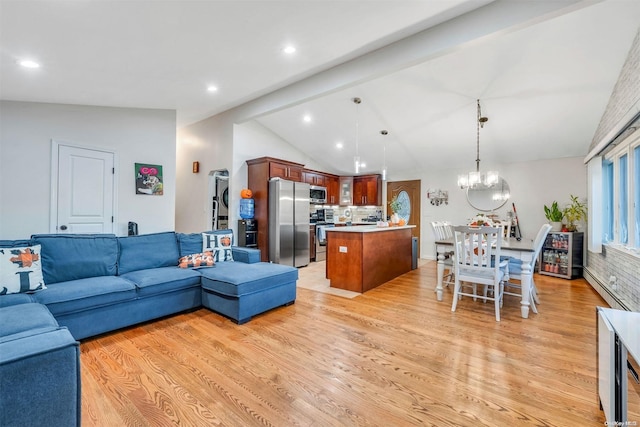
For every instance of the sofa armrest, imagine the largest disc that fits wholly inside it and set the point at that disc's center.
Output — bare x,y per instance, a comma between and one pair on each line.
246,255
40,380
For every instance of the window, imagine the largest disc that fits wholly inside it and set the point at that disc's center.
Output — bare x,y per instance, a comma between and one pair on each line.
607,201
636,196
623,196
620,205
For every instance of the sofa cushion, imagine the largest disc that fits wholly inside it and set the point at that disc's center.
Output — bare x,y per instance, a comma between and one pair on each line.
236,279
15,299
77,256
160,280
219,243
82,294
25,318
148,251
190,243
20,270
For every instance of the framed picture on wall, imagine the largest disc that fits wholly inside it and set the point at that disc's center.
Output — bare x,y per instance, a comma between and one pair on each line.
148,179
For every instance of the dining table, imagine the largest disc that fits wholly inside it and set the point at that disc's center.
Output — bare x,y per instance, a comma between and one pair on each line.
521,249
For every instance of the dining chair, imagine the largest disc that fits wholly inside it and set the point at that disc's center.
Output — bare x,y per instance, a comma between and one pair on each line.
477,261
442,231
514,270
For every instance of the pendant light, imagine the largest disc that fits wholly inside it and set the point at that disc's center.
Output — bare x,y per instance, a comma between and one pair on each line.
356,158
475,179
384,155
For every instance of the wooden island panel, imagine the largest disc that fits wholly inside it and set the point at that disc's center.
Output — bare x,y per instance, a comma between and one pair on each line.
371,259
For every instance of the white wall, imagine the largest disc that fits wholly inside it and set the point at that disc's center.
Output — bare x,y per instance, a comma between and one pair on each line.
219,144
209,142
136,135
533,185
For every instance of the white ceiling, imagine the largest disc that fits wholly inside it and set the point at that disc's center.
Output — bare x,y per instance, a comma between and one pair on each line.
543,81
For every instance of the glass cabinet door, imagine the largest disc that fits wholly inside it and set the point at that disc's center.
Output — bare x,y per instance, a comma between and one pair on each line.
346,191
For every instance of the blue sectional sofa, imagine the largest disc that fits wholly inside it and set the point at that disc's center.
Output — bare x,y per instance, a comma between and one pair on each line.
99,283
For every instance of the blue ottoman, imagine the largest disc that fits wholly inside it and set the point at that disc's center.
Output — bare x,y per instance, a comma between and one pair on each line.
240,291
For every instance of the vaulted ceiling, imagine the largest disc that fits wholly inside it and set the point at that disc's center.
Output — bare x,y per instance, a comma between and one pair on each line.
543,77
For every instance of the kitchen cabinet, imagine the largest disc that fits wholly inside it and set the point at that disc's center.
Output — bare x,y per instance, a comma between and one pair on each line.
314,178
367,190
259,172
362,258
345,190
285,170
562,255
333,189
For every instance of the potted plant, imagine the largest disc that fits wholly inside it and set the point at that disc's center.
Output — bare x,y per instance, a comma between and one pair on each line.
574,212
395,207
554,215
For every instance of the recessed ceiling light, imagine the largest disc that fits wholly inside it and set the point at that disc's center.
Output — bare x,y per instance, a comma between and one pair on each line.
339,145
212,89
307,118
28,63
289,49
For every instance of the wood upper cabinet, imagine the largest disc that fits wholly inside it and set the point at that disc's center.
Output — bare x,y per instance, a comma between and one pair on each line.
367,190
285,170
314,178
333,189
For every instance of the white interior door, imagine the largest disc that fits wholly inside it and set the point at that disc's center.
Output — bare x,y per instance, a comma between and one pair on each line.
85,191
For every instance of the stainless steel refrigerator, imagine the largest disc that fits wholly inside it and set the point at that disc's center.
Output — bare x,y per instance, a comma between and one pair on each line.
288,222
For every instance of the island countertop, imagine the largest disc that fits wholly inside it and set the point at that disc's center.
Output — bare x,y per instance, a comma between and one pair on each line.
367,228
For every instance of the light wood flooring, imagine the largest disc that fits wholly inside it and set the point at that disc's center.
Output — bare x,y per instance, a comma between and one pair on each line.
393,356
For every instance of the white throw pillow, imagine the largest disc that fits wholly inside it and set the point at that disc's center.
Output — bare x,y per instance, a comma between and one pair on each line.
21,270
219,244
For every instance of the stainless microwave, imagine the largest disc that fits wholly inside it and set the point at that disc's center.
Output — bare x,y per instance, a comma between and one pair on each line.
317,195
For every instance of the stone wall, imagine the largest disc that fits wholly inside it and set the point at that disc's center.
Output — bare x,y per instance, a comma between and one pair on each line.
624,293
625,94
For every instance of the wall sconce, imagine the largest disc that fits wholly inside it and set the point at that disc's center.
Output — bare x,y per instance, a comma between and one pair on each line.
196,167
438,197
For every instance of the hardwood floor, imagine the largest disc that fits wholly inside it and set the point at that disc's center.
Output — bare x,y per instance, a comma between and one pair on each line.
393,356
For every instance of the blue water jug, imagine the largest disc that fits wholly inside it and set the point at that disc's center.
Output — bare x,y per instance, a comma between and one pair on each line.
247,208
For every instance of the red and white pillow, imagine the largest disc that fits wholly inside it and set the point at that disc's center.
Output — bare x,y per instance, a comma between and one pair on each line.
204,259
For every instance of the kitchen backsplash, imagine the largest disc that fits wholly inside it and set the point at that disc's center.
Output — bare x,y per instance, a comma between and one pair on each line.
352,213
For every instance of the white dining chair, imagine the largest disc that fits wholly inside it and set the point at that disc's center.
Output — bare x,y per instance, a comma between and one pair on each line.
514,270
477,261
442,231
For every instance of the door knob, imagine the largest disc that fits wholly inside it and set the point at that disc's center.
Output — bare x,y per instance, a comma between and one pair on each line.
63,227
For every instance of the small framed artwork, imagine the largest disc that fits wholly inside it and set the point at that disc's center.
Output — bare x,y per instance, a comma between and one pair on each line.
148,179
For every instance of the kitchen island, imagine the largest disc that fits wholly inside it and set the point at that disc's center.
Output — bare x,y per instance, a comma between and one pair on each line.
359,258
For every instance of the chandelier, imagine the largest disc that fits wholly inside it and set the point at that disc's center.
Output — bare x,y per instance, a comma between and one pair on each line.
476,179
